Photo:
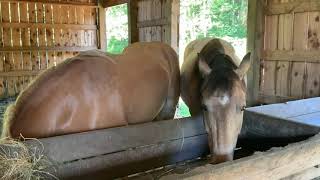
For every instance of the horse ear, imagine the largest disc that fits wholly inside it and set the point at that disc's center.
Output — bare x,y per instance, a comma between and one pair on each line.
244,66
203,66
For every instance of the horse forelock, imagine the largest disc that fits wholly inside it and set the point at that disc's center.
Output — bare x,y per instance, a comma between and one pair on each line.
225,80
217,47
219,55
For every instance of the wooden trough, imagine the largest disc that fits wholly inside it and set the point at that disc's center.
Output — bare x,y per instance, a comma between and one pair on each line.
119,152
280,123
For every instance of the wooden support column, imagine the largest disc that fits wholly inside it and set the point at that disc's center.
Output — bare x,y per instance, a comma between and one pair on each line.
102,27
255,45
171,32
133,21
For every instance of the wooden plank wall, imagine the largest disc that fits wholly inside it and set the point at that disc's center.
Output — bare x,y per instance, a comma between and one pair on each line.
37,34
291,56
158,21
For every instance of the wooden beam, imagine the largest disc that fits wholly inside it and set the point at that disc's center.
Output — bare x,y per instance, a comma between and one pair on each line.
310,173
45,48
151,23
293,7
41,25
110,3
58,2
311,56
116,152
274,164
89,144
135,160
19,73
257,125
255,45
102,39
133,21
270,99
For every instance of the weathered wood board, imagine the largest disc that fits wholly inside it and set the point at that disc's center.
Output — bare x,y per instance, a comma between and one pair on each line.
305,111
274,164
289,70
34,33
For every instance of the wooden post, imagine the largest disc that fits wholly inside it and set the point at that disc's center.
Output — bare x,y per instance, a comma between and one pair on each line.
174,23
171,32
254,45
274,164
102,27
133,21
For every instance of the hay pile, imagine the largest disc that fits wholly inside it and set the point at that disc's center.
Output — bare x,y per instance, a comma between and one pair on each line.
18,162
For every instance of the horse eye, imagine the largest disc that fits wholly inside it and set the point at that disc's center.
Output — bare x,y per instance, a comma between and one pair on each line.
241,108
204,107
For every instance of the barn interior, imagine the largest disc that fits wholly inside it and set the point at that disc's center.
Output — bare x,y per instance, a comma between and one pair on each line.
282,106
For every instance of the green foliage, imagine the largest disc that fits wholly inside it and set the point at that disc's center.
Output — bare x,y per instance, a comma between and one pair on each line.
118,10
229,17
117,28
215,18
183,110
116,46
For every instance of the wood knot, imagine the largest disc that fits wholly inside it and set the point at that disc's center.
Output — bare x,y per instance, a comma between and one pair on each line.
310,92
315,83
309,33
48,32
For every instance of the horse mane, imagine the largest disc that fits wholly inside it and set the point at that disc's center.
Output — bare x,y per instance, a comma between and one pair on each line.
218,47
224,79
219,54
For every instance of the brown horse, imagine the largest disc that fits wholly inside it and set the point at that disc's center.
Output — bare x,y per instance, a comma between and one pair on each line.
212,83
94,90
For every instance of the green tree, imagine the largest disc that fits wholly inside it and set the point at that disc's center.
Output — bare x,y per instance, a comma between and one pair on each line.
117,28
229,18
116,45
